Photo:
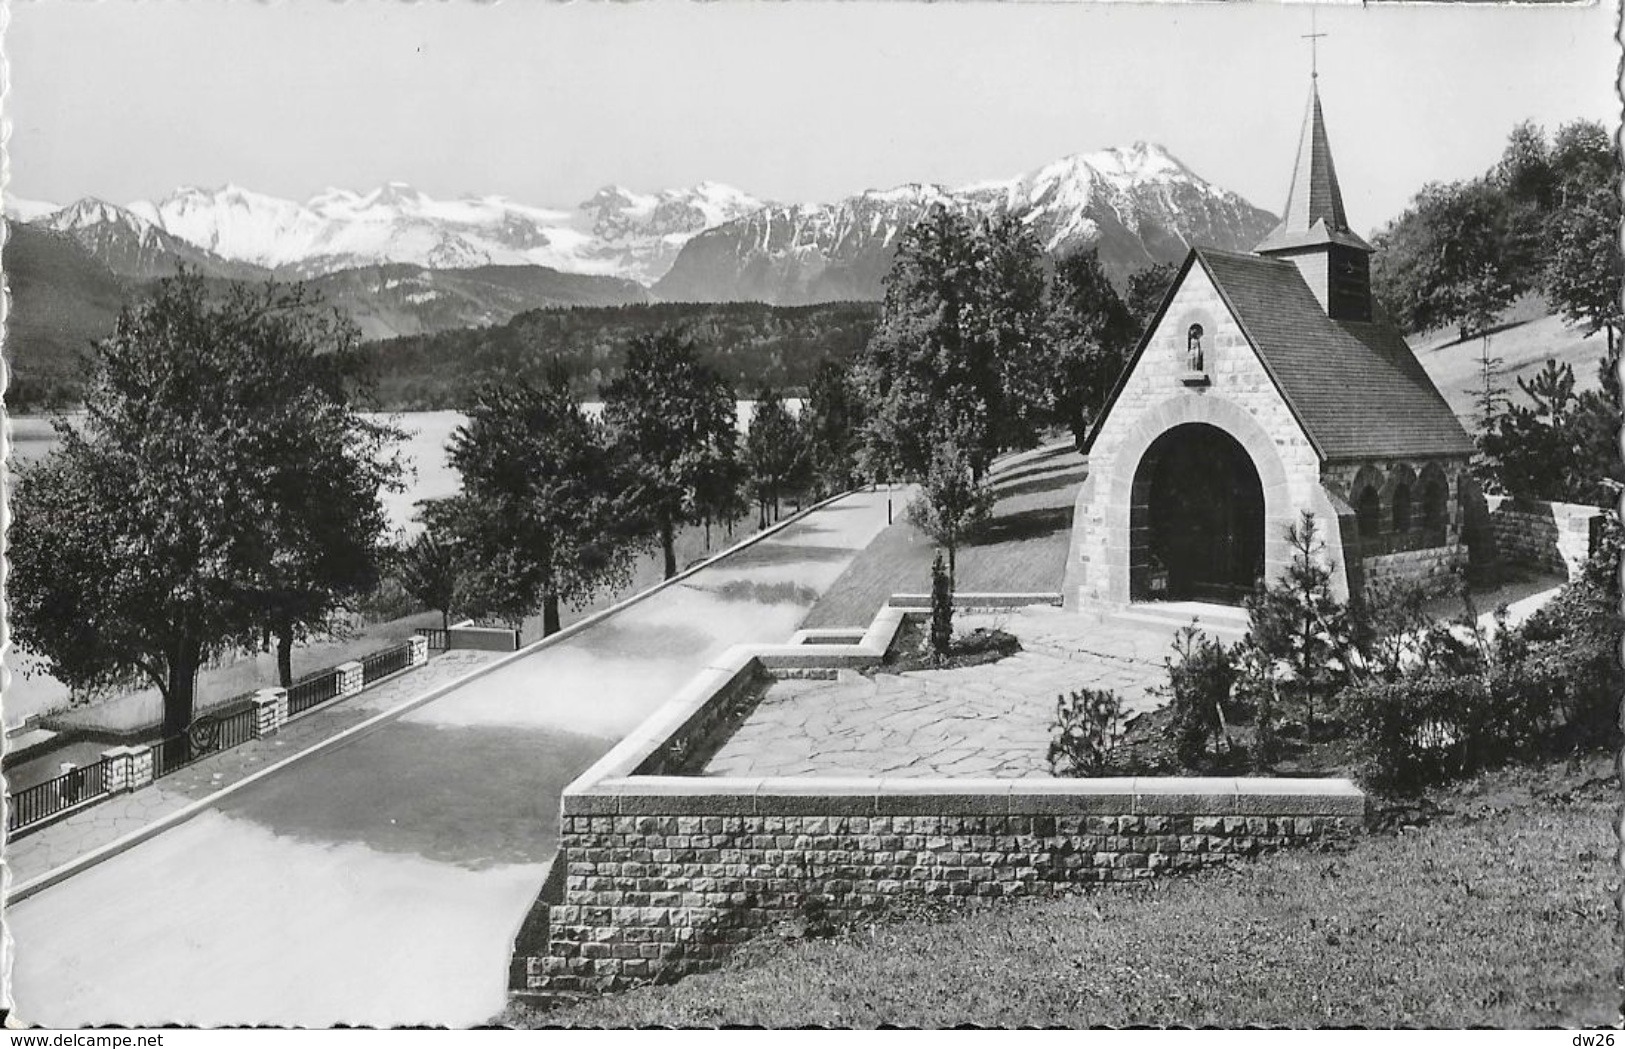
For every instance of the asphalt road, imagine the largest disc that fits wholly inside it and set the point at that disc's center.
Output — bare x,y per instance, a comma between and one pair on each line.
382,882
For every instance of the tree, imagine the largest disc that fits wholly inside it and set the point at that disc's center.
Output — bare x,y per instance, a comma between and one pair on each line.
431,571
953,500
832,418
773,453
1561,445
1302,635
1585,269
1091,333
959,343
323,467
538,513
166,527
1445,260
1146,288
671,419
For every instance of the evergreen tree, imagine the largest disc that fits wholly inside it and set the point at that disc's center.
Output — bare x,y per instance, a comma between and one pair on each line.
1146,288
953,500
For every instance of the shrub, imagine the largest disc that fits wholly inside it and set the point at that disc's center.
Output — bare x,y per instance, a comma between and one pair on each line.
942,609
1085,732
1199,683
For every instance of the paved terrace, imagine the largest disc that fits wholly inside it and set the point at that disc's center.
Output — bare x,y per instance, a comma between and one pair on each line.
382,881
989,720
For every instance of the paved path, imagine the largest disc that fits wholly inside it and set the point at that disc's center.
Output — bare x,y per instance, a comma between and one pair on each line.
45,850
989,720
382,882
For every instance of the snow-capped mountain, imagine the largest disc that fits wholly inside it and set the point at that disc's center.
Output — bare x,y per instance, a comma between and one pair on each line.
132,246
616,233
1136,205
28,210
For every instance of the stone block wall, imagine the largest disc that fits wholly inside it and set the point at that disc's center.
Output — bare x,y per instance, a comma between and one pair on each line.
1437,569
1551,537
665,887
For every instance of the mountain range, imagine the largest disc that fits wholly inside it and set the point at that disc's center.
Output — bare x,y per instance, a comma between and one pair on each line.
403,263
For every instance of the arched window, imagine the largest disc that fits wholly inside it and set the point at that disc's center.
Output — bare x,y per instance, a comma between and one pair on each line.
1402,508
1193,348
1368,511
1435,499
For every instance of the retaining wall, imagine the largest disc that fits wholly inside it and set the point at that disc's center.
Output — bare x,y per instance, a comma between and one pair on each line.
1553,537
1437,569
663,874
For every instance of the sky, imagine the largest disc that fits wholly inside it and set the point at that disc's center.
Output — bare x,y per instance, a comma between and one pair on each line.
797,101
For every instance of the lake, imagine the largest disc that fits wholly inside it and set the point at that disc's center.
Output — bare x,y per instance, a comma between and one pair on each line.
30,691
429,475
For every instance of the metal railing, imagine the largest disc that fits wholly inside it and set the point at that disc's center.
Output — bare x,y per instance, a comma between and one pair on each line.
382,664
40,802
313,689
438,639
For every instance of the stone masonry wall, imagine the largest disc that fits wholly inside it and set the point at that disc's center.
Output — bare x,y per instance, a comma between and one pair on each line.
1554,537
658,896
1436,569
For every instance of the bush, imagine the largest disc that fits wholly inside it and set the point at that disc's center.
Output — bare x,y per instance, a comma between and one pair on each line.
1199,683
1085,732
1429,729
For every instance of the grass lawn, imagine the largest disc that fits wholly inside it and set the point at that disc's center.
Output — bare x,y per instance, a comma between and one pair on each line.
1497,910
1022,549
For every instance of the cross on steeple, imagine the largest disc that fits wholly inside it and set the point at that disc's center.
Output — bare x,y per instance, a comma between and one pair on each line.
1312,36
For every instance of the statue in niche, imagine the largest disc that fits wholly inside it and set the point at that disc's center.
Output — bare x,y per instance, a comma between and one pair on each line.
1193,349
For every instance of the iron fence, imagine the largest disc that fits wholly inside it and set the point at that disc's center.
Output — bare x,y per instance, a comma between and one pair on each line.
237,729
313,689
40,802
382,664
438,639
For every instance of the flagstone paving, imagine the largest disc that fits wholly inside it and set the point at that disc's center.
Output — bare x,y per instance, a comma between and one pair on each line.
990,720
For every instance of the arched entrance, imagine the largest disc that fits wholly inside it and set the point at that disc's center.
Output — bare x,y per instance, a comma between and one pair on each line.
1196,519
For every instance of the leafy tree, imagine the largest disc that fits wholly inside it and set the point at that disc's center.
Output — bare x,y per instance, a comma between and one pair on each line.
1585,269
165,528
773,453
1091,333
538,513
958,344
832,419
1445,261
1146,287
430,569
953,500
671,419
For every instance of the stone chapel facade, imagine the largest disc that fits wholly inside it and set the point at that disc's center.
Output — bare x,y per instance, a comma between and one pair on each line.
1265,385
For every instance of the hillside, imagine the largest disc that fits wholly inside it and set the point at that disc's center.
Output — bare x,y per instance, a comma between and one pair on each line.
62,299
749,343
1530,335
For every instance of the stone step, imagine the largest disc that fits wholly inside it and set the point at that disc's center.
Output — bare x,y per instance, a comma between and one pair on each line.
1224,621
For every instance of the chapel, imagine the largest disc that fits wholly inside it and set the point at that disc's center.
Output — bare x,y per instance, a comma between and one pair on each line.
1268,383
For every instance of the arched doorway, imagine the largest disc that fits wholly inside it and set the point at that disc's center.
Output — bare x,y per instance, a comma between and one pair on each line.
1197,519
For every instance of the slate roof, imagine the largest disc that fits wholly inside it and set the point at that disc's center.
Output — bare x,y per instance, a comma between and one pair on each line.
1354,386
1314,205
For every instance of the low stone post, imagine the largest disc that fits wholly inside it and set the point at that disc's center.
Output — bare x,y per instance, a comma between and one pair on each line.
420,650
118,761
270,711
140,765
350,677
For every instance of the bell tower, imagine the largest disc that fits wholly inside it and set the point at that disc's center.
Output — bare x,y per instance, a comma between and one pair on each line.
1314,232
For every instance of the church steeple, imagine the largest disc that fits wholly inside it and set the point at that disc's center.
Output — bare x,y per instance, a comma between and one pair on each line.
1314,230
